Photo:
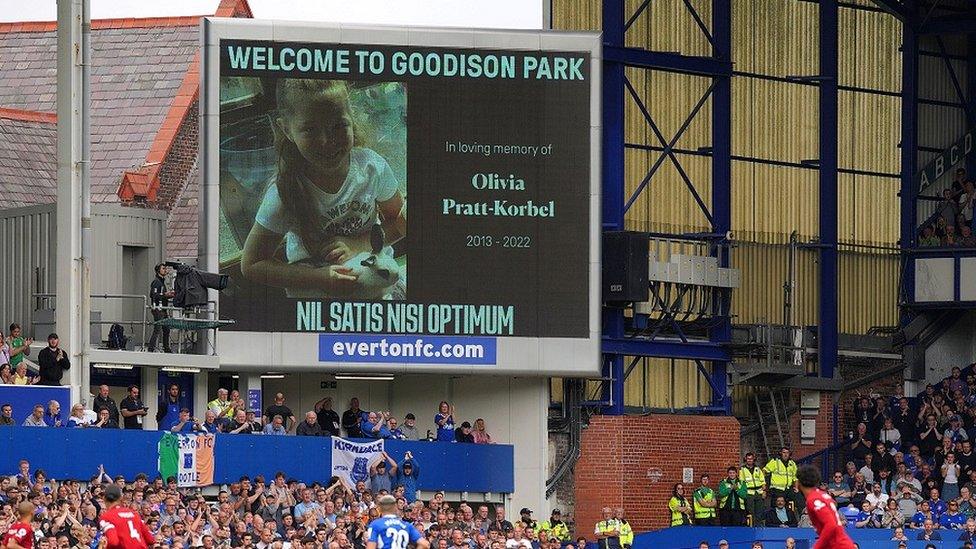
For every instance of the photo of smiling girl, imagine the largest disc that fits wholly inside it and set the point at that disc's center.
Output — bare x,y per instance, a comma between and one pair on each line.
335,206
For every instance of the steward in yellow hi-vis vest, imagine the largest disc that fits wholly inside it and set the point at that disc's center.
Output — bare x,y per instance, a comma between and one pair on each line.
705,504
782,476
555,527
679,506
754,479
607,531
626,532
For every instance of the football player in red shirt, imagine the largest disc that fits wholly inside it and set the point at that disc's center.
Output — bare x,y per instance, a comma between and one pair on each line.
822,511
121,527
20,535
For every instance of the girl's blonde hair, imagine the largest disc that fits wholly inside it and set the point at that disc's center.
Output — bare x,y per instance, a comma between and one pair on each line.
289,94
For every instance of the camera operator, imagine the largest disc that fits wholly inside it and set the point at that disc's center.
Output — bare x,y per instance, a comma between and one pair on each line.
159,295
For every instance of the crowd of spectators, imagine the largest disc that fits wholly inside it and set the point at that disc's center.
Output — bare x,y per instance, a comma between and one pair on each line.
952,223
228,413
911,469
278,513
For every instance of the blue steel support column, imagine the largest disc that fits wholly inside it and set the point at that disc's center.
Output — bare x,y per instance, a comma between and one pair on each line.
828,188
613,187
909,154
722,179
971,93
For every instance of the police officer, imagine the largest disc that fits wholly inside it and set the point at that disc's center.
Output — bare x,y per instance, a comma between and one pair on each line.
704,501
607,531
626,532
782,476
555,527
732,499
753,478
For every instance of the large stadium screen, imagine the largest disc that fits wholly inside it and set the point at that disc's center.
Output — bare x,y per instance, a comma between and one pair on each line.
399,198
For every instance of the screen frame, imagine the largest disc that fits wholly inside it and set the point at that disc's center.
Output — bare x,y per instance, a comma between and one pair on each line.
298,352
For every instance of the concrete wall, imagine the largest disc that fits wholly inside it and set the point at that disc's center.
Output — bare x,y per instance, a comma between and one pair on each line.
956,347
514,410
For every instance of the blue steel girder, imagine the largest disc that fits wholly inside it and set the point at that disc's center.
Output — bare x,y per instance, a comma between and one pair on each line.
955,80
827,322
718,67
909,162
688,350
668,149
666,61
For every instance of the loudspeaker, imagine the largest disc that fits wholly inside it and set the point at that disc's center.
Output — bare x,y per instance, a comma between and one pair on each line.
625,255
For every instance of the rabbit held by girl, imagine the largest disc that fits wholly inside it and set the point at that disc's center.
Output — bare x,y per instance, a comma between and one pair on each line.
335,204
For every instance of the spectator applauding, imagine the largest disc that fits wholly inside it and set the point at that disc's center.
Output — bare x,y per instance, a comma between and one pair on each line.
19,345
240,425
21,377
77,417
327,417
132,409
380,477
310,427
375,425
444,419
53,361
407,477
36,419
279,409
210,424
222,408
352,418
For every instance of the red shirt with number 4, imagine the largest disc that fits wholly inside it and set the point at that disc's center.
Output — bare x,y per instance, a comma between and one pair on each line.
22,533
125,530
827,521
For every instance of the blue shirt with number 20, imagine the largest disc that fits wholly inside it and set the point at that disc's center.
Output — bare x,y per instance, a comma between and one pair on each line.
389,532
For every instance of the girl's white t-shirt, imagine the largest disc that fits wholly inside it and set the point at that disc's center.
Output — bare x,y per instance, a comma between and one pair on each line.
351,211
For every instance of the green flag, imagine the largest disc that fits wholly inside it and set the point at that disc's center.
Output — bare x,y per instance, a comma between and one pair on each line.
169,452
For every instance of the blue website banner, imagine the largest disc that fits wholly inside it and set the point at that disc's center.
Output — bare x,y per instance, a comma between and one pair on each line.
406,349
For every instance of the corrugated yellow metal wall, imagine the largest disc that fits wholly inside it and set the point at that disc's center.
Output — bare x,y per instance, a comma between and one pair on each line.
778,121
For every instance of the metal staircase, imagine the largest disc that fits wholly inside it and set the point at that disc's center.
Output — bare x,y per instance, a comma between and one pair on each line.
773,414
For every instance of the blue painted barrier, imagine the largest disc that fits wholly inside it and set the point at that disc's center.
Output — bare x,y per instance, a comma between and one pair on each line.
689,537
76,453
23,398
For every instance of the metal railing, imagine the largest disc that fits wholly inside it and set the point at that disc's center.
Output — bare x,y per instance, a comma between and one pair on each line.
50,301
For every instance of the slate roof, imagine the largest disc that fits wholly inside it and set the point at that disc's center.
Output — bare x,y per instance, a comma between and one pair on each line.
136,73
28,161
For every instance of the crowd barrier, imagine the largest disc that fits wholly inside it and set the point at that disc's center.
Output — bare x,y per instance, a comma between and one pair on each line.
689,537
77,453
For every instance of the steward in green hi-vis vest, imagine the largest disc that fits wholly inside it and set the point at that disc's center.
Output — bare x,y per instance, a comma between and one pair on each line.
732,494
